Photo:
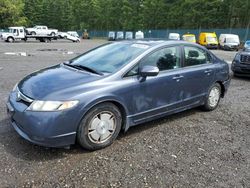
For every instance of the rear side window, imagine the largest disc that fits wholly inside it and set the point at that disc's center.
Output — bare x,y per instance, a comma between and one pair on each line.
165,59
195,56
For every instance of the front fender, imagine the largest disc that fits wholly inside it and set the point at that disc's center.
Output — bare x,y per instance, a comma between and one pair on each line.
101,99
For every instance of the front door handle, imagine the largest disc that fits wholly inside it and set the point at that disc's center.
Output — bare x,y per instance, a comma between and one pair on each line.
208,71
177,77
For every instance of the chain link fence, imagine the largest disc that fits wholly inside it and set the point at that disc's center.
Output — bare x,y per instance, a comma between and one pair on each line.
244,34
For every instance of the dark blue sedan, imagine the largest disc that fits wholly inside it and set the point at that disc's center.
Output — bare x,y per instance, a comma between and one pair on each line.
94,96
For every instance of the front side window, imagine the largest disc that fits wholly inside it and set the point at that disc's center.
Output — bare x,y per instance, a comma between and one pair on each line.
195,56
165,59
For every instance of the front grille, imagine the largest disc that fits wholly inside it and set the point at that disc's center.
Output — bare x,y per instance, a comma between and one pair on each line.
245,58
22,98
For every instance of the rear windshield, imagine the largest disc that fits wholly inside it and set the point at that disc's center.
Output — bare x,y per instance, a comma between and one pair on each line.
111,57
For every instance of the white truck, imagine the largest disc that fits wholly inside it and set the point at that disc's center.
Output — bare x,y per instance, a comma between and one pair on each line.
20,33
41,30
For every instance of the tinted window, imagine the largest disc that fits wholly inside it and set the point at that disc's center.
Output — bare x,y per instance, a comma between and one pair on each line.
195,56
165,59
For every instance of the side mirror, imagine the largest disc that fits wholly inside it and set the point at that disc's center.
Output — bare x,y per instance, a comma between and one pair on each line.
149,71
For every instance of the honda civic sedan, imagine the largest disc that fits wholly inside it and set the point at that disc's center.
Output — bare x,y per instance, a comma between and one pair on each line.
94,96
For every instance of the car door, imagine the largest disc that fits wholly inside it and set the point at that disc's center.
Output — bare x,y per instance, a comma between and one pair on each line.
198,74
159,94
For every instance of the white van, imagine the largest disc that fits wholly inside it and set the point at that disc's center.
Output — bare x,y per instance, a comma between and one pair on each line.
139,35
174,36
229,41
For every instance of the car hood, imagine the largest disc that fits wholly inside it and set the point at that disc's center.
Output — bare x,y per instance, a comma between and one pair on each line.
6,34
244,53
54,82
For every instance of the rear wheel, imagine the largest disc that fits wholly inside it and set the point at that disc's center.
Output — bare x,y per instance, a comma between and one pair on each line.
33,33
100,127
52,34
213,98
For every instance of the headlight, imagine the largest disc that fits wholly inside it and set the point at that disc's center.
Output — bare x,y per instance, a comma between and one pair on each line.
51,105
15,86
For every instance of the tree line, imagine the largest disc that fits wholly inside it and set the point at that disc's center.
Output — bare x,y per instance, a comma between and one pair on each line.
125,14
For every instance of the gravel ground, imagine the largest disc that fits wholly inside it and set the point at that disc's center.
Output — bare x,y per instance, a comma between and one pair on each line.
188,149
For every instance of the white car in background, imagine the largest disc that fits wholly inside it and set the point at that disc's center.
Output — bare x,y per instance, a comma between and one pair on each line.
70,35
73,33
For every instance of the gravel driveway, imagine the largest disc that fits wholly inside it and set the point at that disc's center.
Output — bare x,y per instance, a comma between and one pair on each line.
188,149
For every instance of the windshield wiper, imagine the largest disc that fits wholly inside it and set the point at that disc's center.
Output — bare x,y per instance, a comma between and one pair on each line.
82,67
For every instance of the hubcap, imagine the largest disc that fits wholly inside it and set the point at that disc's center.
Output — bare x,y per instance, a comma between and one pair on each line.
101,127
214,96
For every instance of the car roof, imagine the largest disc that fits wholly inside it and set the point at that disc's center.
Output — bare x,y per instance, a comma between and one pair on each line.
157,42
225,34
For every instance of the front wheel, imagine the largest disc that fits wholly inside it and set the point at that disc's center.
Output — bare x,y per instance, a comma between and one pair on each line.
213,98
10,39
100,127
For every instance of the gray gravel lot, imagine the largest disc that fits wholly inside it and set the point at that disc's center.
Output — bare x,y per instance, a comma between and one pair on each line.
188,149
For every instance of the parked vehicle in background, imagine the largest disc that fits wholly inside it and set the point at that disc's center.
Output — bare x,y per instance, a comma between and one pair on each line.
19,33
174,36
247,44
229,42
189,38
241,63
209,40
41,30
139,35
119,35
85,35
128,35
111,35
73,33
13,34
113,87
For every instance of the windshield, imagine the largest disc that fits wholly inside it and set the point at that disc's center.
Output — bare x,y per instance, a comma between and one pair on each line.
111,57
232,40
211,39
248,43
189,38
11,31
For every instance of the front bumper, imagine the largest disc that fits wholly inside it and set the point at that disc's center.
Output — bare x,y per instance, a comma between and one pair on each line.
233,47
212,46
50,129
241,69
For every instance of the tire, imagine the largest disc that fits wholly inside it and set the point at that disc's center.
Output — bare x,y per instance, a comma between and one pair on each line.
99,127
52,34
213,98
10,39
33,33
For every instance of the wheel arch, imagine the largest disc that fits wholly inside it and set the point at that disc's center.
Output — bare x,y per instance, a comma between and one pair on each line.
11,38
117,103
223,89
